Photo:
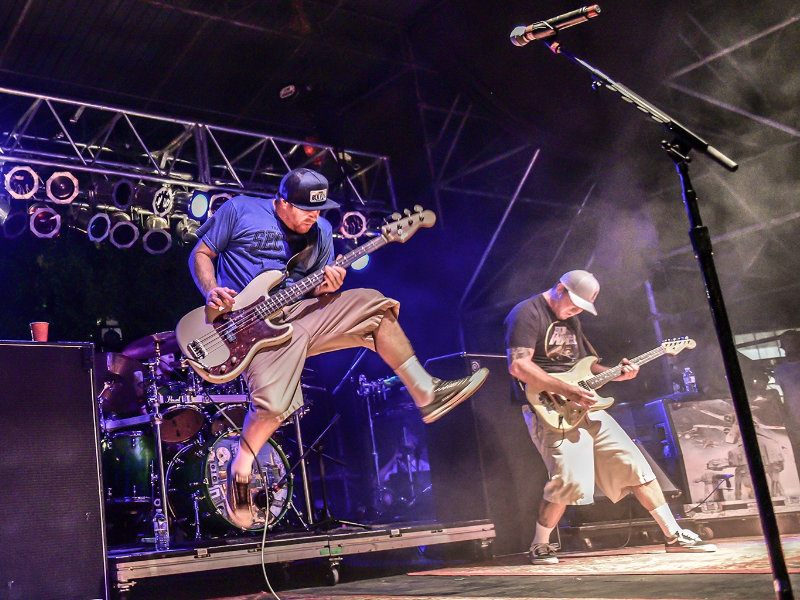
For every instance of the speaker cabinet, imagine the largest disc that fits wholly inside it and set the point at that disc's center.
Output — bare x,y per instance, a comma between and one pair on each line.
53,540
700,439
483,463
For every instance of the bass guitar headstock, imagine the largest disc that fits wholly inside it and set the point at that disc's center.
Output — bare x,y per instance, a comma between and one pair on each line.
404,226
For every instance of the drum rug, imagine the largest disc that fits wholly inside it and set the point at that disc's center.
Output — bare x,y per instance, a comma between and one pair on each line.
290,596
741,555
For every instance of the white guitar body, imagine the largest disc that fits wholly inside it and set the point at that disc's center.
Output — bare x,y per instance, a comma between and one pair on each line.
562,414
557,411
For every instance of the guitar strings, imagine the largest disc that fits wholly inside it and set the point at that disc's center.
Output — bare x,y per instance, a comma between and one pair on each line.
214,339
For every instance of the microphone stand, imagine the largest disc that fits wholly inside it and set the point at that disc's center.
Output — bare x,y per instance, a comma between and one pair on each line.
678,150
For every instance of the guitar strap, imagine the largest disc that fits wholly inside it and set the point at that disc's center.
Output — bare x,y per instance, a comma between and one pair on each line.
589,344
311,241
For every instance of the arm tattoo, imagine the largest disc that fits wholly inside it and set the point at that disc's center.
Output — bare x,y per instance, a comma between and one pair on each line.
518,353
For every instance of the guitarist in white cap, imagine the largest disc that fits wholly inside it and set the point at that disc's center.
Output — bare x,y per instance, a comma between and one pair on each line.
543,339
248,237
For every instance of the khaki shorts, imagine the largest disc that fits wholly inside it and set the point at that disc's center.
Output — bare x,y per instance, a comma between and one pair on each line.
598,451
343,320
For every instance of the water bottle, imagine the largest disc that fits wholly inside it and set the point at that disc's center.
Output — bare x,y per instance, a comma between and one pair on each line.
160,530
689,382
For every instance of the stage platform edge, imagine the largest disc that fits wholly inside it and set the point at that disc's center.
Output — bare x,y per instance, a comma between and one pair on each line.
127,566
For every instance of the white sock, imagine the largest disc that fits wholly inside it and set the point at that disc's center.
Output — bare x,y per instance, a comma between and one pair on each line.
417,380
666,520
542,535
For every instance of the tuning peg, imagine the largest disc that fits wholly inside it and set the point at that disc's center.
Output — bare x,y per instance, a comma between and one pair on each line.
406,212
396,216
417,208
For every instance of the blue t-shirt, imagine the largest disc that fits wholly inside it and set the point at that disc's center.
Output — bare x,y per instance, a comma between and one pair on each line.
248,238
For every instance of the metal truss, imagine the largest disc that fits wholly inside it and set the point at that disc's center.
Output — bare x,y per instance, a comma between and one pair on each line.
106,143
725,54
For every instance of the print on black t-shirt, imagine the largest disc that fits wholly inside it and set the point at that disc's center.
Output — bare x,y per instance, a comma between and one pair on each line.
560,343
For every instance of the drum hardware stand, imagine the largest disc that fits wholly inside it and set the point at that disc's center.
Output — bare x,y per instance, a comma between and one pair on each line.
197,534
154,401
303,476
679,149
328,521
366,390
406,452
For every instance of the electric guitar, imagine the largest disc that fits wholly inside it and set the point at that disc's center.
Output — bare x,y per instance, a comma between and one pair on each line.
220,344
562,414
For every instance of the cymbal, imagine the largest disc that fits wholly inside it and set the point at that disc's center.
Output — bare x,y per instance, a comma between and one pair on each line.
118,384
150,346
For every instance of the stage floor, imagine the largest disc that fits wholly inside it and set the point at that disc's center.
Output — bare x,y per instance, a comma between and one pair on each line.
738,571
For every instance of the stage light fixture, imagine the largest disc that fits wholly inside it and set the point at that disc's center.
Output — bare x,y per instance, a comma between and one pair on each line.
217,200
21,182
99,227
160,200
354,225
79,216
119,193
157,238
44,221
5,208
123,232
95,225
13,218
16,223
62,187
186,230
194,204
360,263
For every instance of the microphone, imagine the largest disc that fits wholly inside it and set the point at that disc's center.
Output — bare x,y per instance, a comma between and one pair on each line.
544,29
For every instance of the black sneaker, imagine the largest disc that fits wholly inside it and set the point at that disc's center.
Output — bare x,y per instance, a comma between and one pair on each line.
543,554
238,500
449,394
688,541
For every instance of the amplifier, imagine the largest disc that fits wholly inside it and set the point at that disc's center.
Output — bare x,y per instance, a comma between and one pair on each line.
53,536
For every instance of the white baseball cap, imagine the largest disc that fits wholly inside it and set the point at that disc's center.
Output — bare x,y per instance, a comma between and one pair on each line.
582,288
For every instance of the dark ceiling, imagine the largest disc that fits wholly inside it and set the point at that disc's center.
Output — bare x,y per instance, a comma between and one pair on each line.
437,86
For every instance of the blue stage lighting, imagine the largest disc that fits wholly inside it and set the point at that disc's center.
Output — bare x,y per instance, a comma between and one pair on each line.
198,205
361,263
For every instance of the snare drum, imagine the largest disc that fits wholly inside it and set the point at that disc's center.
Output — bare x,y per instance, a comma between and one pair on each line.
127,465
196,482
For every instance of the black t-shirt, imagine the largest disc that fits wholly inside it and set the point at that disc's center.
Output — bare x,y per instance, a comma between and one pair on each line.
557,345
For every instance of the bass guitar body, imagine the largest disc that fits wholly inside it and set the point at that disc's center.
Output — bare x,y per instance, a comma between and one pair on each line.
220,344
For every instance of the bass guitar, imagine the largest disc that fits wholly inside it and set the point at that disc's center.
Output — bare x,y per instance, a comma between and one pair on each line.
562,414
220,344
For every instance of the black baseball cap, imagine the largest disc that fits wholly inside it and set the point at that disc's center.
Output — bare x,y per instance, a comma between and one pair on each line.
306,190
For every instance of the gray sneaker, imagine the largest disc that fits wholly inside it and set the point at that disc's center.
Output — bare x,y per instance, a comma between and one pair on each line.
688,541
449,394
543,554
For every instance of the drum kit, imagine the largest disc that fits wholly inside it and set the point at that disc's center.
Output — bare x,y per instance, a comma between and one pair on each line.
167,440
390,413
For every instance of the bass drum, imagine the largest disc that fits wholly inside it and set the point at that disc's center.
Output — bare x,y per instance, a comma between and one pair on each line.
196,482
